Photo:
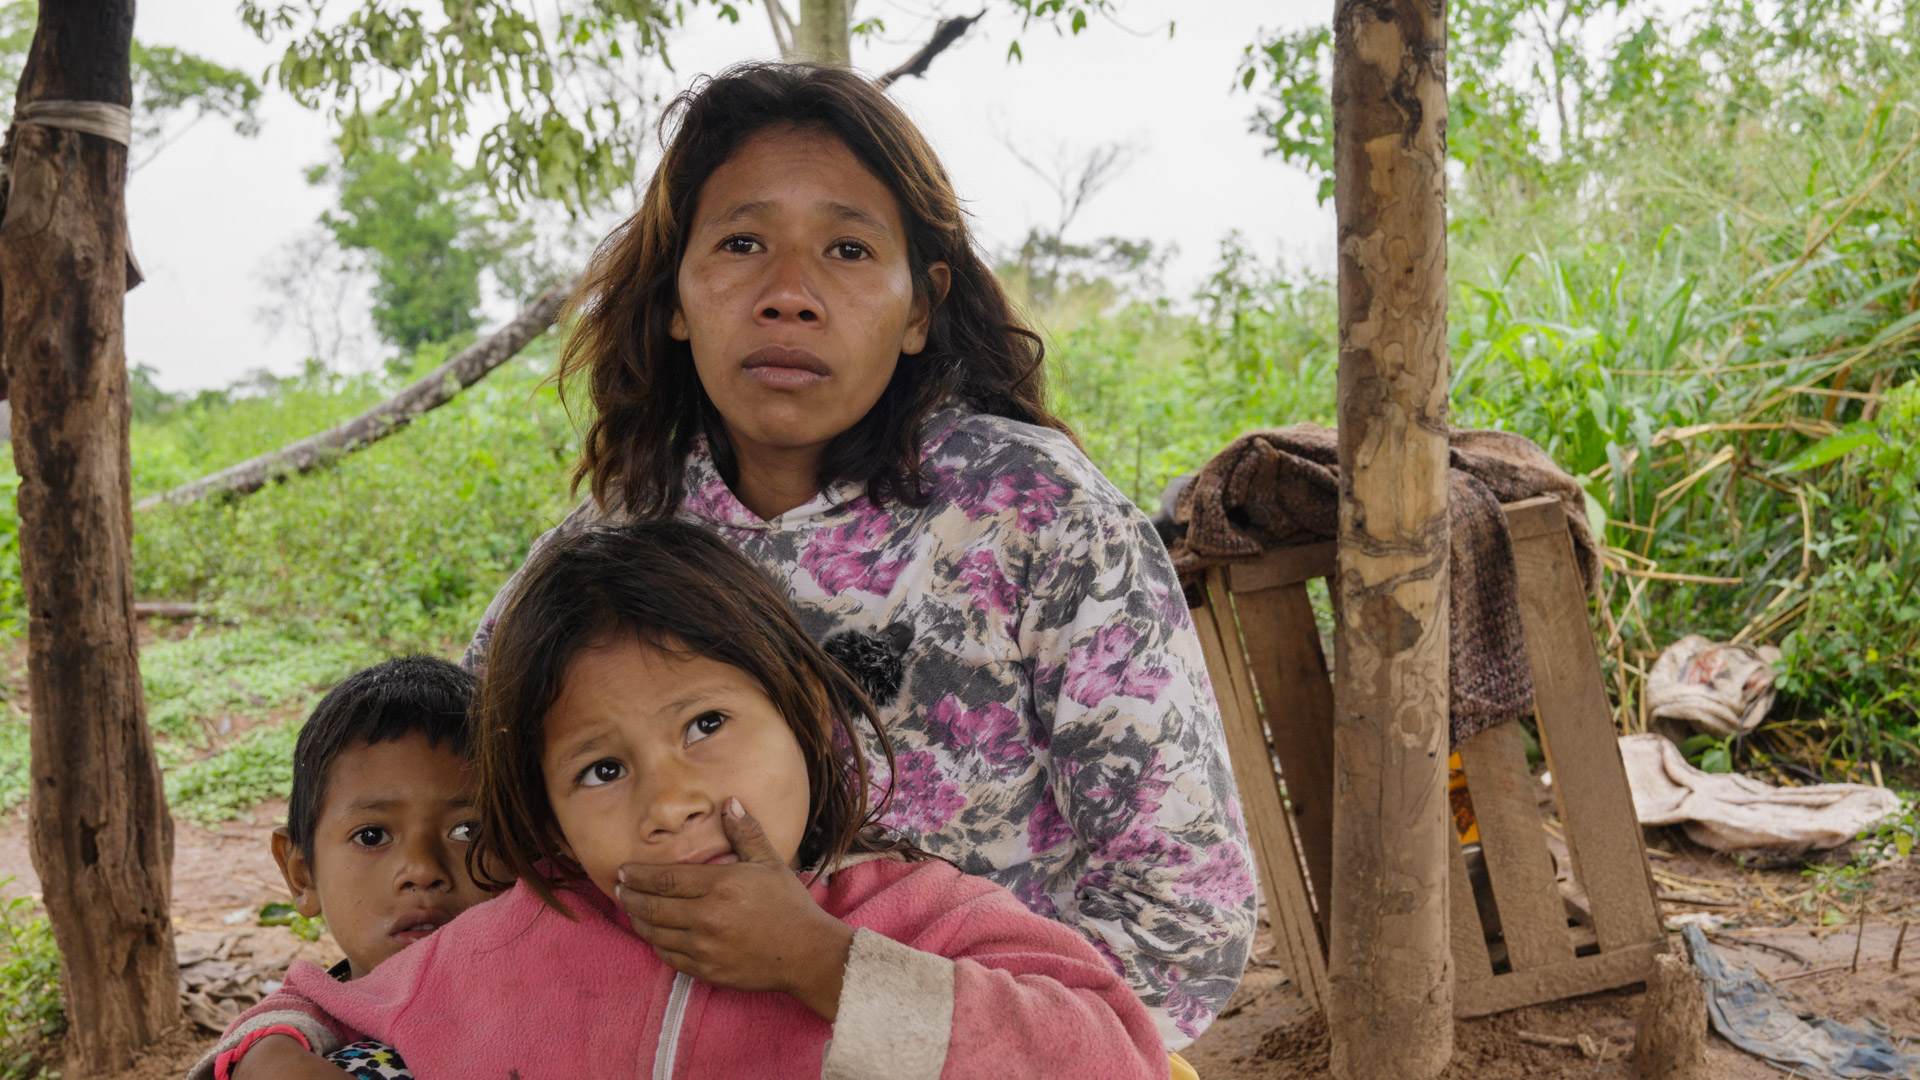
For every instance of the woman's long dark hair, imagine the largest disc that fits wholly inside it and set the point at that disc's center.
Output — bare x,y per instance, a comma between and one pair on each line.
648,404
677,587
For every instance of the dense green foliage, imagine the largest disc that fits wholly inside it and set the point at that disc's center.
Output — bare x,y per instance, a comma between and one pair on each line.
413,213
1685,262
31,1010
1154,390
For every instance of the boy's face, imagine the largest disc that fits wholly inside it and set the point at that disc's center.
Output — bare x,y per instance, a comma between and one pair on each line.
389,848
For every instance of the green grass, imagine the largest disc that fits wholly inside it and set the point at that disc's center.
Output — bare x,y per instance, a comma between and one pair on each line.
204,688
196,683
217,700
404,542
256,767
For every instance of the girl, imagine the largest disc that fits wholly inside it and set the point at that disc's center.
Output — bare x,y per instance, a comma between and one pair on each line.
648,687
794,344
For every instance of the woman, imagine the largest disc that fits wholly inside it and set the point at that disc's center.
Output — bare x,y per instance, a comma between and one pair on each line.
794,343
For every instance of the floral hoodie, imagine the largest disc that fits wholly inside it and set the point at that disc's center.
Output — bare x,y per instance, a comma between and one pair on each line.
1031,654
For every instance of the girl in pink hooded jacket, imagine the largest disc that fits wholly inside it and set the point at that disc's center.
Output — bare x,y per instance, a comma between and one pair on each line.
647,686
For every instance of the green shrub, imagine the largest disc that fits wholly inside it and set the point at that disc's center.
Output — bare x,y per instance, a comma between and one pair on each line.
32,1011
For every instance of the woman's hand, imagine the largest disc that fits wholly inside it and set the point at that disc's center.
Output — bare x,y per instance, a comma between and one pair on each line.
749,925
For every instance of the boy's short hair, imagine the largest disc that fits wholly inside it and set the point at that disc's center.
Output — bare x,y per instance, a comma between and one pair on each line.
408,695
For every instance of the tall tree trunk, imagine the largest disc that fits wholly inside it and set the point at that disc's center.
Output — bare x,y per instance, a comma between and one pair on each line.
1391,979
825,34
101,839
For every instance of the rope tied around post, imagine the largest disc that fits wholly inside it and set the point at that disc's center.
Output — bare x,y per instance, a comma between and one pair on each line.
102,118
106,119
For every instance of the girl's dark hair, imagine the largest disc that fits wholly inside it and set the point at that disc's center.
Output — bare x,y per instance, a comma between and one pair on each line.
677,587
647,400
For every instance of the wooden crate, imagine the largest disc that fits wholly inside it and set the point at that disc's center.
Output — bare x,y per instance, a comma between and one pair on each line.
1591,925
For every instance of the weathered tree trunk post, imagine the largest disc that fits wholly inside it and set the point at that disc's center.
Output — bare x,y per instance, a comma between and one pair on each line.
101,839
824,35
1391,999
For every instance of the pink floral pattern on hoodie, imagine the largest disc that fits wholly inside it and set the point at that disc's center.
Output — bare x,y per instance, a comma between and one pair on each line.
1055,730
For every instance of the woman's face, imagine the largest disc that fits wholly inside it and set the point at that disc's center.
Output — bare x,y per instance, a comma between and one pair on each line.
795,292
644,747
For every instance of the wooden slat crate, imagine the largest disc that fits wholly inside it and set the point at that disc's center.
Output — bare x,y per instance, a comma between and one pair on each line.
1549,931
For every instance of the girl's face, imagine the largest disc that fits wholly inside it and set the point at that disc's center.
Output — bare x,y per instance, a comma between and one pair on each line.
643,749
795,292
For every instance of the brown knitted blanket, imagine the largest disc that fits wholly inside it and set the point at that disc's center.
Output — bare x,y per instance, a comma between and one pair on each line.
1276,489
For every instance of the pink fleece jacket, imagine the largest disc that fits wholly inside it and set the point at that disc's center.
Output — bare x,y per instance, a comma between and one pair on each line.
950,976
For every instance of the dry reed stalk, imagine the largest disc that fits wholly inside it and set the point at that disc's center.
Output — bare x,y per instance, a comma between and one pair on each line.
1859,938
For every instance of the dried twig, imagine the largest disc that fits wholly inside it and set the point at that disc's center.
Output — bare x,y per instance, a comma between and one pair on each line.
1590,1048
1859,937
1763,946
1809,974
1664,575
165,609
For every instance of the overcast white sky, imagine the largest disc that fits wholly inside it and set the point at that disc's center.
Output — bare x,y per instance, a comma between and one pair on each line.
213,207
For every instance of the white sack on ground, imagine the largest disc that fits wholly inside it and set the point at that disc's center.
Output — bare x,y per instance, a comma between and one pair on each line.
1728,812
1719,689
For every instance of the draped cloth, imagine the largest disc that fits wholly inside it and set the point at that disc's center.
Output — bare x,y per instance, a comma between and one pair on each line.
1276,489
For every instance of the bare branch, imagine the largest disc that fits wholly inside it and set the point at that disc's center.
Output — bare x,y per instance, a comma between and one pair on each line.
782,28
944,35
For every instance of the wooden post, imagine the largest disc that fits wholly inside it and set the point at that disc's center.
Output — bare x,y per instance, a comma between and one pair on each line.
1671,1040
1390,969
101,839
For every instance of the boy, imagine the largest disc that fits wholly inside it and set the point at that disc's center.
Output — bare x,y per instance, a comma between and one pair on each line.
380,819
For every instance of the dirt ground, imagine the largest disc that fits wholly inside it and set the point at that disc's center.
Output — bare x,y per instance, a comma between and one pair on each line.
221,879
